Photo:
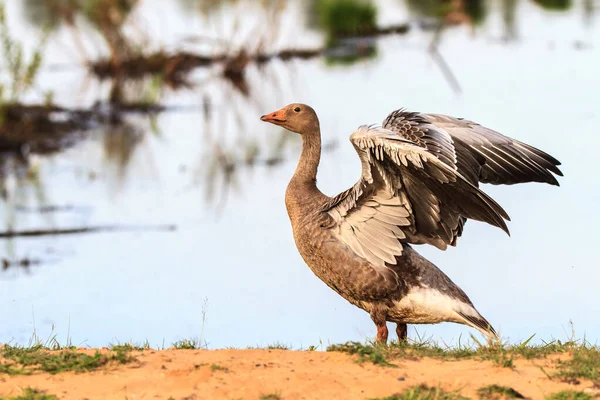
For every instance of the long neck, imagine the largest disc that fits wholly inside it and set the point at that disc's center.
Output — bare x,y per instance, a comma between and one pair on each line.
306,171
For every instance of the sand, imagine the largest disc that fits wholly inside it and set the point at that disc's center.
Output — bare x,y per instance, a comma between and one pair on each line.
250,374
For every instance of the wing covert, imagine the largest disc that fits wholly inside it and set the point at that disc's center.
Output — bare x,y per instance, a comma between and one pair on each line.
406,194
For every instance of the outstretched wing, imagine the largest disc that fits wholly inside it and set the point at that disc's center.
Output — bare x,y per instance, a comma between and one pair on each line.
482,155
410,191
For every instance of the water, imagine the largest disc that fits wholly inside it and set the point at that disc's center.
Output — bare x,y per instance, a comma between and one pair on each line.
230,272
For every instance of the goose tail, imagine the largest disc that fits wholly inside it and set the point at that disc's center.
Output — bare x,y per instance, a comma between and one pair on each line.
476,320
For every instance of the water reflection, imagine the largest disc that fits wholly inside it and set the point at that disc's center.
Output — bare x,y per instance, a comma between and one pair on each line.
119,143
187,150
16,184
509,15
221,162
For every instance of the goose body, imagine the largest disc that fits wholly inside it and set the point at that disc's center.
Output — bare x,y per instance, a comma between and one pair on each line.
419,184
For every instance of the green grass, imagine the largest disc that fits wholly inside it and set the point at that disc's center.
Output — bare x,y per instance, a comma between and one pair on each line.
274,346
278,346
15,360
125,347
314,347
213,367
496,392
424,392
270,396
585,362
216,367
569,395
188,344
31,394
377,354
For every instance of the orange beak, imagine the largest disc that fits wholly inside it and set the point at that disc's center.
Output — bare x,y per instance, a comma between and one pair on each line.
277,117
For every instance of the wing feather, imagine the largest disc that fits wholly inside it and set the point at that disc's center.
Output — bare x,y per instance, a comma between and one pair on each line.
419,182
406,194
505,160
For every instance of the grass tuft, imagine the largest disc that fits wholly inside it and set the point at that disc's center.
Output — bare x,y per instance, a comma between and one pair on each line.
16,360
584,364
271,396
279,346
126,347
424,392
32,394
497,392
377,354
216,367
569,395
187,344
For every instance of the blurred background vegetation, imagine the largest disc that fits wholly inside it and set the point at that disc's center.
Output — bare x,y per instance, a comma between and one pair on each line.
132,72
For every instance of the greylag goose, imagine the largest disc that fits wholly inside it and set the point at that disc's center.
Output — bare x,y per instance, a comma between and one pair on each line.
419,184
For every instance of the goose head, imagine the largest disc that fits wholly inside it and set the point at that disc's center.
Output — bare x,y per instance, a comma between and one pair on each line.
295,117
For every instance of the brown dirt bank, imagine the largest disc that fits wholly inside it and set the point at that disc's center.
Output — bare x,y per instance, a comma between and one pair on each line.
250,374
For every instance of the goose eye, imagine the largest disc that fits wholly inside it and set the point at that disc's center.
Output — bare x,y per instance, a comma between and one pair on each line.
297,109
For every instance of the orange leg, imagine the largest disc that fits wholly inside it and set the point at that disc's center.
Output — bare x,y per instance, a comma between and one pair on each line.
382,333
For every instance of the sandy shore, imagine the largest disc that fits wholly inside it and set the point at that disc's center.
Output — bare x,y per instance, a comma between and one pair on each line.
252,374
